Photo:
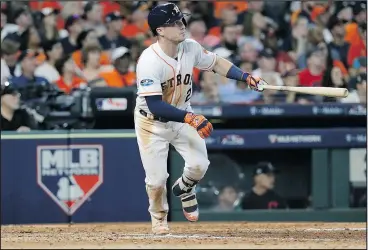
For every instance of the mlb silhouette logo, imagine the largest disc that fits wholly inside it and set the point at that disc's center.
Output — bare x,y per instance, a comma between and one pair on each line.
70,174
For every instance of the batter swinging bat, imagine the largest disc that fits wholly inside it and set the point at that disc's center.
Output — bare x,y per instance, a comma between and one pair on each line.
323,91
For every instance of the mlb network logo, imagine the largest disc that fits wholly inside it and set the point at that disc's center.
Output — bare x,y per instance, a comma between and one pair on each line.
69,174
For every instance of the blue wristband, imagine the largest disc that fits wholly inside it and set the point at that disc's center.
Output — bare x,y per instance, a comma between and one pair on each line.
236,74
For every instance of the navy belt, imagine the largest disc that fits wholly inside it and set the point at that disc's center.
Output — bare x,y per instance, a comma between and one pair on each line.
156,118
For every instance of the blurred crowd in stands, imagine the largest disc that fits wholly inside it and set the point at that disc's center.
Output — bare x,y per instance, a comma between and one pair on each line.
297,43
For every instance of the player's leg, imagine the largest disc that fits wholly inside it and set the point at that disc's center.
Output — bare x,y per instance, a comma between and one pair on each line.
154,151
194,152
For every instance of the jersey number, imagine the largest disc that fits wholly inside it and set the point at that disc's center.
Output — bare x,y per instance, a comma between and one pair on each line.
189,92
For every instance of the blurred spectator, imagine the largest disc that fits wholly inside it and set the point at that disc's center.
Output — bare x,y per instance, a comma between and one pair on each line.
249,53
228,40
121,75
22,19
12,117
48,29
295,44
358,47
28,63
53,51
198,31
358,90
313,74
338,47
9,58
262,195
333,77
112,39
359,19
137,26
6,28
91,55
226,14
226,199
209,89
68,78
88,38
73,24
284,63
267,66
93,18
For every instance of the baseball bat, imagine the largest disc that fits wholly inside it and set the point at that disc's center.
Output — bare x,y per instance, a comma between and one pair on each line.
322,91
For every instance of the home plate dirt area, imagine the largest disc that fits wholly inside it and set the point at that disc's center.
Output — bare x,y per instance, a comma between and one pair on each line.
241,235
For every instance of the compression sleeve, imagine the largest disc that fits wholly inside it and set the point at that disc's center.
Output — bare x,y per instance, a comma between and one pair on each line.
163,109
236,74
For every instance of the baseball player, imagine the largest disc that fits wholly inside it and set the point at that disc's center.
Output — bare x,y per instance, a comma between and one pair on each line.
163,114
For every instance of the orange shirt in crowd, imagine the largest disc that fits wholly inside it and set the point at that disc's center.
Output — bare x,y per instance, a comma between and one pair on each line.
306,79
77,57
357,49
351,33
67,88
109,6
215,31
241,6
114,79
131,30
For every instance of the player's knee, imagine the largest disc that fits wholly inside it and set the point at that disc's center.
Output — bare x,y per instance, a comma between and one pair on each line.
157,182
202,165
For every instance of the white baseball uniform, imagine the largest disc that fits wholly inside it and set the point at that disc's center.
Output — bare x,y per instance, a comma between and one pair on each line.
159,74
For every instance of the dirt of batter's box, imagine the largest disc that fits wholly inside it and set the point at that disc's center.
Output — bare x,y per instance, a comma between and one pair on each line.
200,235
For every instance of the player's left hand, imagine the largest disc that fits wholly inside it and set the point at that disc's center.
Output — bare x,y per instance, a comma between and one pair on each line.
200,123
255,83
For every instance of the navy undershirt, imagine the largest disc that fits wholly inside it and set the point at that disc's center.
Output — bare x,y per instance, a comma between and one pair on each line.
164,110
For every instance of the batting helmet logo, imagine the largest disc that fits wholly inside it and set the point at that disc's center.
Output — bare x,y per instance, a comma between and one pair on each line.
164,14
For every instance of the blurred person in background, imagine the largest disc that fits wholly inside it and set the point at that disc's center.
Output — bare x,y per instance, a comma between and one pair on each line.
87,38
48,28
313,74
198,31
249,53
314,39
295,44
9,58
121,75
228,40
358,47
209,93
73,24
68,78
28,63
226,199
22,19
53,51
262,195
358,90
359,9
339,47
137,25
333,77
12,117
267,66
284,63
112,39
6,28
91,55
93,18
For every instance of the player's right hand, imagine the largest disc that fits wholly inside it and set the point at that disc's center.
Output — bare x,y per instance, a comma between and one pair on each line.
200,123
